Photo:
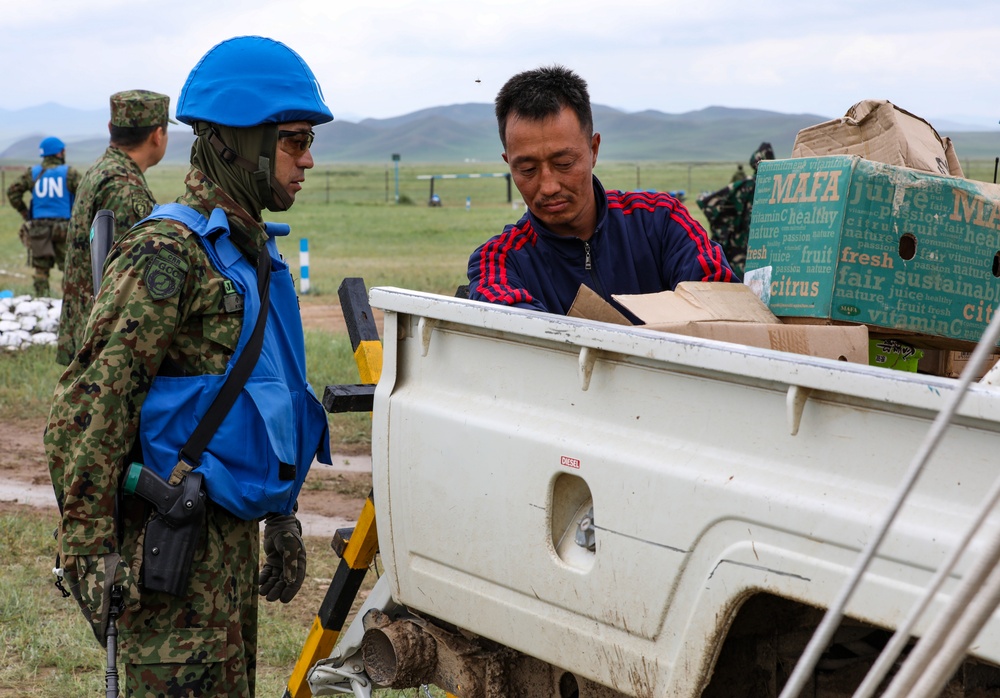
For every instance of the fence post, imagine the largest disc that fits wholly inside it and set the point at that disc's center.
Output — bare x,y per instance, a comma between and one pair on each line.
304,265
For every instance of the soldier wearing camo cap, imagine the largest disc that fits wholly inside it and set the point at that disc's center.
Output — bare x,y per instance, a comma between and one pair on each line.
52,185
137,108
116,182
179,303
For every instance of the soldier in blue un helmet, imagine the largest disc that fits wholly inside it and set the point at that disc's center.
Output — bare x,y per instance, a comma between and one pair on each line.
181,297
52,185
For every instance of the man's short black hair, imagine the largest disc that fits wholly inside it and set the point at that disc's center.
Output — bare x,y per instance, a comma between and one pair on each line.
128,137
543,92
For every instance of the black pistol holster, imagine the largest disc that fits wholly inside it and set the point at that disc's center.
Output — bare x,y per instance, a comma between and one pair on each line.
173,531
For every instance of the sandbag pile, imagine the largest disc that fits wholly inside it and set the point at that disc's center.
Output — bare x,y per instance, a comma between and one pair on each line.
26,321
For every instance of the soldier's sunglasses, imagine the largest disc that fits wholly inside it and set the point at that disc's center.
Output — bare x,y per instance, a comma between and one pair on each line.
295,143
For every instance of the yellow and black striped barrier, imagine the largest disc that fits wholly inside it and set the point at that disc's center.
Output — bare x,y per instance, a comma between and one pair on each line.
356,548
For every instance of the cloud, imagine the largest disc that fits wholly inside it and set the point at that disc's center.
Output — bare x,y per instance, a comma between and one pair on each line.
385,58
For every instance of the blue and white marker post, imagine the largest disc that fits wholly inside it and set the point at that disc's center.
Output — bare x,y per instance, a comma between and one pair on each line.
304,265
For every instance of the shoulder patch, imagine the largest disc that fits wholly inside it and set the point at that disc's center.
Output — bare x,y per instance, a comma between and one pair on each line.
140,206
165,275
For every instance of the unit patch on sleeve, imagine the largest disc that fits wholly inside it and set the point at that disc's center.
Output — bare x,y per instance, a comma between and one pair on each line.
165,275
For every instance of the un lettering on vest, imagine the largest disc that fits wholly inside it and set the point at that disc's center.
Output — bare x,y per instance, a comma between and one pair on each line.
49,188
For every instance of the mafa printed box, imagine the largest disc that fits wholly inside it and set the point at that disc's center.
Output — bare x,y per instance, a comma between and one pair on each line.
841,238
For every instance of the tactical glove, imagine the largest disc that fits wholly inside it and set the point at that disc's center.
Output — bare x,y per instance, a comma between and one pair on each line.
284,567
90,578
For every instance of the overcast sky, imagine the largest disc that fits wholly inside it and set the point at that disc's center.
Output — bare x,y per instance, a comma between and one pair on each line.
378,58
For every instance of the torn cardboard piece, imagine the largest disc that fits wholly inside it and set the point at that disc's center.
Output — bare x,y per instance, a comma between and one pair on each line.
699,301
726,313
590,306
878,130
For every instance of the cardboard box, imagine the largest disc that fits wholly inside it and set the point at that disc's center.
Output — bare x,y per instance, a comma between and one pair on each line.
843,239
878,130
726,313
940,362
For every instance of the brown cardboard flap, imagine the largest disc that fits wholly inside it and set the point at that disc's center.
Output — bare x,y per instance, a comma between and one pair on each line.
878,130
590,306
699,301
841,343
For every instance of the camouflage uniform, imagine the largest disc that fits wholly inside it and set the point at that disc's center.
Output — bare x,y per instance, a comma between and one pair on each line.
204,642
728,213
116,183
40,258
729,209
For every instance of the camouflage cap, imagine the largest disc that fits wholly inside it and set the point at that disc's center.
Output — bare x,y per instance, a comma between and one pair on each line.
136,108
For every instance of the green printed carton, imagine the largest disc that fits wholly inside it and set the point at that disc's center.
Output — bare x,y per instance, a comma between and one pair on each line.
846,239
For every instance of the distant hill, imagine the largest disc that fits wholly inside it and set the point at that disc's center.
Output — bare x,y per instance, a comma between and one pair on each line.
51,119
467,132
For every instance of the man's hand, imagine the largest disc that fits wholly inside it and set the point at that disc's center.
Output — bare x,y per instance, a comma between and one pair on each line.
284,567
90,579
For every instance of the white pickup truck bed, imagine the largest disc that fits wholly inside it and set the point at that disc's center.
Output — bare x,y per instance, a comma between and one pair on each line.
716,472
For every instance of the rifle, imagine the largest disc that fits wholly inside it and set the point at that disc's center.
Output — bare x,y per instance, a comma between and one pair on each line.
102,235
111,673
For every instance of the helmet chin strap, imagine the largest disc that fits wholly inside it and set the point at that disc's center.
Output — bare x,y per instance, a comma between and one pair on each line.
271,195
280,201
274,196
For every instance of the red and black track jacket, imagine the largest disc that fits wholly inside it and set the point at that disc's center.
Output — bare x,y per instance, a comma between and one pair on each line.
644,243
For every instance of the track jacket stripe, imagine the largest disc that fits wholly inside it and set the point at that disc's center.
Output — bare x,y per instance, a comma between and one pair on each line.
493,267
709,256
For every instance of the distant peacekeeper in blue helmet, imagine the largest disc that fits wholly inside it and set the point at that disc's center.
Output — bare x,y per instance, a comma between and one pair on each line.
52,185
175,318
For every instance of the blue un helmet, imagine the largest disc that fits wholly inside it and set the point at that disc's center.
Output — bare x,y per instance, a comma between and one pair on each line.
50,146
252,80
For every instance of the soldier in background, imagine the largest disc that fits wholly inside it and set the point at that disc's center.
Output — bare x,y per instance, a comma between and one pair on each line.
52,185
728,211
116,182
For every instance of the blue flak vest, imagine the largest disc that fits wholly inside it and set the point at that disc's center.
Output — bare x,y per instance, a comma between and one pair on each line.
277,418
50,197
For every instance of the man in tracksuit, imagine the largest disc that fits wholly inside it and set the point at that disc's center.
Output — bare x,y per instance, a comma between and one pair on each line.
574,231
